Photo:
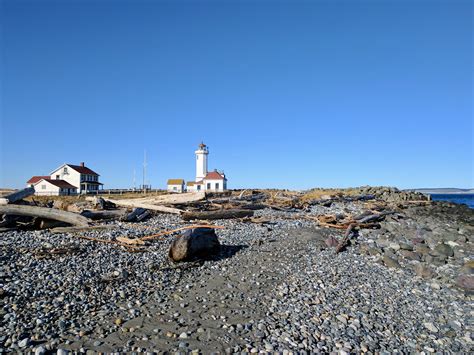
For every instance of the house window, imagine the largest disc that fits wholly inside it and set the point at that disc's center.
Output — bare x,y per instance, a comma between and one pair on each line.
65,170
217,186
57,177
199,187
175,188
208,185
43,187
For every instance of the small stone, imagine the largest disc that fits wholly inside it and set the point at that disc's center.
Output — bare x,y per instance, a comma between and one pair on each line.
183,335
40,350
406,246
411,255
331,242
269,347
431,327
118,321
468,267
443,250
422,248
24,342
465,282
424,271
394,246
374,251
391,262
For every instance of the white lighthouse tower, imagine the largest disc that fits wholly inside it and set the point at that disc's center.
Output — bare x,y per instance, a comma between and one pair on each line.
201,162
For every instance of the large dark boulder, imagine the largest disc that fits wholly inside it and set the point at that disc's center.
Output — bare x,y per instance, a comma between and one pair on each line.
198,243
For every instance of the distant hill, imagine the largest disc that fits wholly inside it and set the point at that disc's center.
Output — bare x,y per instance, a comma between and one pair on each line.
446,190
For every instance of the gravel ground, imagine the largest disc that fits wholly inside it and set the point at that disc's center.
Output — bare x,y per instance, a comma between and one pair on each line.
274,287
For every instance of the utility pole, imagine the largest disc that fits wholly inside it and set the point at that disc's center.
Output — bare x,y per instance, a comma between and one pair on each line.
144,171
134,179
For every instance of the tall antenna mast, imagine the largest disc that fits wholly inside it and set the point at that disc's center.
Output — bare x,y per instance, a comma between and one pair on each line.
144,169
134,179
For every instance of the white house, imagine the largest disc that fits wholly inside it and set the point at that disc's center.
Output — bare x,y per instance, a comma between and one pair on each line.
51,187
85,179
176,185
35,179
80,177
215,181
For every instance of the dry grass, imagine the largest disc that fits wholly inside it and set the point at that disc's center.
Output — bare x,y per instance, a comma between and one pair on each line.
4,192
45,199
130,195
317,194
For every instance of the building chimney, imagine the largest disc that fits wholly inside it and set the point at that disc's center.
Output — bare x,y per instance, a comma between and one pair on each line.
82,164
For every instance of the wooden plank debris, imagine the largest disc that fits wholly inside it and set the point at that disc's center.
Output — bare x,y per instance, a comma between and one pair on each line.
133,203
343,243
81,229
130,241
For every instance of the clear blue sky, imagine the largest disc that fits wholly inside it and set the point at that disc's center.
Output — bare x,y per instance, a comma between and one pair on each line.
287,94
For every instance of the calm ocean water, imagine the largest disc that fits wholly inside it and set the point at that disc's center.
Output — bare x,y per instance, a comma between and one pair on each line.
467,199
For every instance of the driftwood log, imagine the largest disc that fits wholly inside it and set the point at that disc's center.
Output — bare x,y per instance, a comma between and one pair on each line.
100,203
17,195
219,214
344,241
137,215
375,217
48,223
44,212
104,214
198,243
147,206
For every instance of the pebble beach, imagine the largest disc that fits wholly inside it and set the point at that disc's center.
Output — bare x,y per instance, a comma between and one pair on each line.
274,287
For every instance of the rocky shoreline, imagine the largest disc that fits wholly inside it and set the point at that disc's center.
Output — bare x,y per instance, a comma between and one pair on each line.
406,286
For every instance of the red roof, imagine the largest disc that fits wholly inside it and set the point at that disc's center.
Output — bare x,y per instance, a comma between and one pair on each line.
214,175
35,179
60,183
82,169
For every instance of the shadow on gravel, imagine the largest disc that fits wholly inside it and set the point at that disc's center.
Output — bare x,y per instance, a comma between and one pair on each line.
227,251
